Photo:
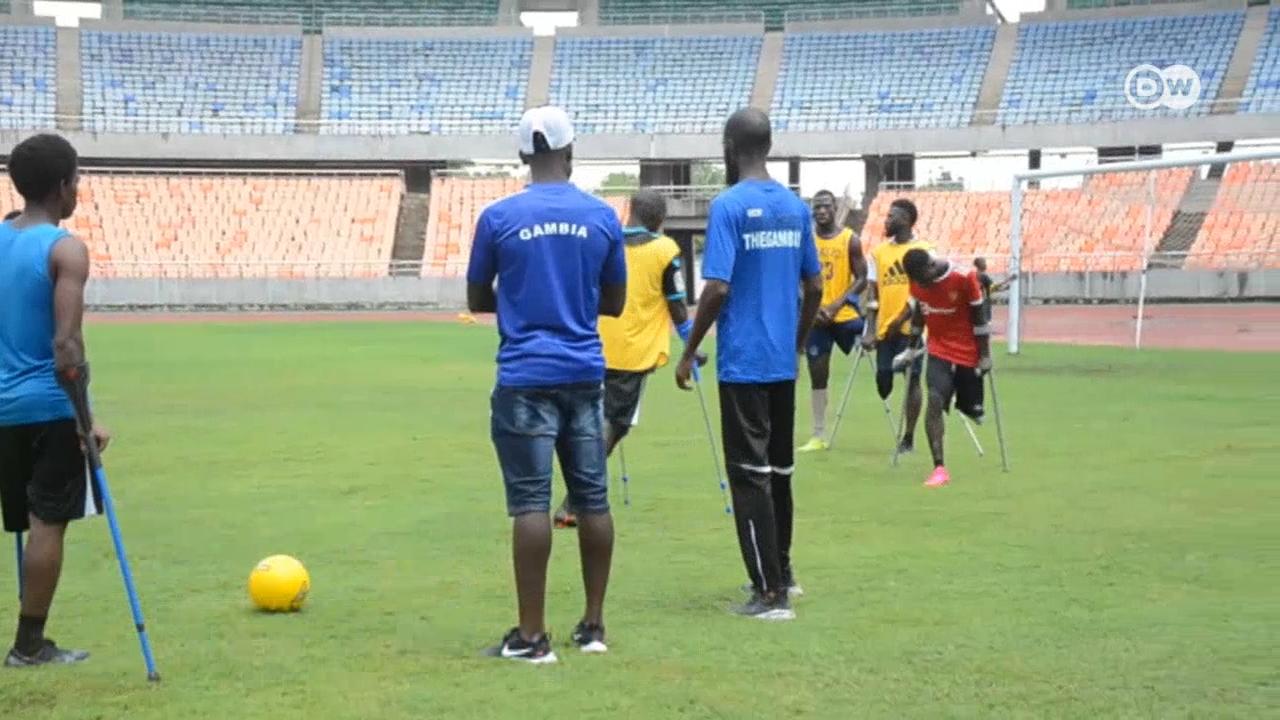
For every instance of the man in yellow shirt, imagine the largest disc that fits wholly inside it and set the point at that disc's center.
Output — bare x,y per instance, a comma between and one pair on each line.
888,310
844,277
639,341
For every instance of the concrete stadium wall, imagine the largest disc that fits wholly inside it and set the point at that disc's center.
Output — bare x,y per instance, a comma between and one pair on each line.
413,292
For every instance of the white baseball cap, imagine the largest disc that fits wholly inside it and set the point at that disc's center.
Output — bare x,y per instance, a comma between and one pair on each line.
552,122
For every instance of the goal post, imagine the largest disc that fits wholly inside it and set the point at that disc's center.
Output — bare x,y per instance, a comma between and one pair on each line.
1140,231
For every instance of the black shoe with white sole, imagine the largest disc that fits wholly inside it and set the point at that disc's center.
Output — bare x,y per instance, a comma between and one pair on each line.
48,654
762,607
590,638
793,588
514,647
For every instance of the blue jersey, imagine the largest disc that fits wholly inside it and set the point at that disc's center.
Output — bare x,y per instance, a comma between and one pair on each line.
760,242
29,391
551,247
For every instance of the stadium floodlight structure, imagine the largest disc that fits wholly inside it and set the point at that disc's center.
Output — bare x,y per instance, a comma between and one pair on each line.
1214,212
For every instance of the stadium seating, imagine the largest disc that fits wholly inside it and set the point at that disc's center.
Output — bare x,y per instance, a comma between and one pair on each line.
684,84
1075,71
314,14
376,86
1242,229
190,82
1097,227
847,81
455,205
773,12
28,77
214,225
1262,93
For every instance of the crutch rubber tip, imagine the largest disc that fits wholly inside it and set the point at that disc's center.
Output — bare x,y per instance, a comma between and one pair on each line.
153,677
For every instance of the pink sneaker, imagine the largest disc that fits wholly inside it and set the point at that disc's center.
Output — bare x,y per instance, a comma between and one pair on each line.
939,478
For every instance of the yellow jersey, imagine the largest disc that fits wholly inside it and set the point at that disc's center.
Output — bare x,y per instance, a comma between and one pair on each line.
837,273
640,339
895,288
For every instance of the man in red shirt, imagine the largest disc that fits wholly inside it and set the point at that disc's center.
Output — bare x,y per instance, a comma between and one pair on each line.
949,304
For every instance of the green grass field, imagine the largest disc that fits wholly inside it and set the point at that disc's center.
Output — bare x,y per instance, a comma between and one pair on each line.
1127,568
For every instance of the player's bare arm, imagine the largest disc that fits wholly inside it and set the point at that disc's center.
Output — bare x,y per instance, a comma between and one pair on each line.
858,265
709,305
982,334
481,298
613,298
873,311
69,265
812,289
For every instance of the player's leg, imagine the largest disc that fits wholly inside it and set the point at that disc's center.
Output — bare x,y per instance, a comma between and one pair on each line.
941,376
581,448
970,394
525,424
915,400
818,353
782,414
745,431
58,492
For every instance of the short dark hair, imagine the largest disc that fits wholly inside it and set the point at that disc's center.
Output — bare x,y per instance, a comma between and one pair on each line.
908,207
40,165
650,208
916,262
11,215
824,193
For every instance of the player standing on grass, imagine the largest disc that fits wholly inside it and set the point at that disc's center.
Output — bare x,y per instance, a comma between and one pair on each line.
557,255
888,312
844,277
44,482
949,303
638,342
759,250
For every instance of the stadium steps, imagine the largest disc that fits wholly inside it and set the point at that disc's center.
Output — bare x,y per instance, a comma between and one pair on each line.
984,113
767,71
1187,221
411,232
70,98
1237,75
538,91
310,84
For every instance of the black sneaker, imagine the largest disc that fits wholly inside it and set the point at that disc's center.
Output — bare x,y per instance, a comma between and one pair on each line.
513,647
590,638
48,654
762,608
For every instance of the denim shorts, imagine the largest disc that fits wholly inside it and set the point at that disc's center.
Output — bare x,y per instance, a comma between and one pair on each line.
530,426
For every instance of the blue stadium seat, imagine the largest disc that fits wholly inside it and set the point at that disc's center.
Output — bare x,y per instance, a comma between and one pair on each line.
190,82
28,77
685,84
1262,93
1074,71
380,86
868,80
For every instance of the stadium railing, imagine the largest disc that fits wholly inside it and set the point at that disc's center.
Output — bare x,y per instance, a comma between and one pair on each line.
871,10
685,17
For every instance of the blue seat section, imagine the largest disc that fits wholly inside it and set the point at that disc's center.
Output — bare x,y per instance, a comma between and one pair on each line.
868,80
1074,71
1262,93
190,82
390,86
28,77
316,14
626,85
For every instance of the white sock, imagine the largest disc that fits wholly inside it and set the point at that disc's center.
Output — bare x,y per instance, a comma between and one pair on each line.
820,413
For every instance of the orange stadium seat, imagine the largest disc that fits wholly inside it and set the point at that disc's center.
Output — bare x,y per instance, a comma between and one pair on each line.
237,225
455,206
1242,229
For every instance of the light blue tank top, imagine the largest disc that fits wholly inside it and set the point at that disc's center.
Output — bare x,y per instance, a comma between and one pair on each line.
29,391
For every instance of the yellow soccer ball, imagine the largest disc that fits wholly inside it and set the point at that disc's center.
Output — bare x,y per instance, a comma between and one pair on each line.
279,584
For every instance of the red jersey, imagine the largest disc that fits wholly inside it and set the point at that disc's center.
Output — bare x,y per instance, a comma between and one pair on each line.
947,304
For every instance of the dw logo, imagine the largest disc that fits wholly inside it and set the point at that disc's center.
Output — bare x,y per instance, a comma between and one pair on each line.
1176,87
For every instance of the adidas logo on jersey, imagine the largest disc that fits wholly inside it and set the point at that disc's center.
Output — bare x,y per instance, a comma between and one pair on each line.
895,275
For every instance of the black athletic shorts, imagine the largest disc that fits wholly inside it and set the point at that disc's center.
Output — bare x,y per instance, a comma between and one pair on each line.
622,391
43,472
948,380
757,423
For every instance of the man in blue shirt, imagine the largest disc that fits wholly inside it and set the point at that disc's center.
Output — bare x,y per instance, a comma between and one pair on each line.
759,250
43,478
557,255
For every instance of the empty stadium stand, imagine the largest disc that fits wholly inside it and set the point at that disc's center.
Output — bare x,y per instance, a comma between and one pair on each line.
456,202
389,86
774,13
28,79
192,225
191,82
847,81
1262,93
679,84
1242,229
1074,71
314,14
